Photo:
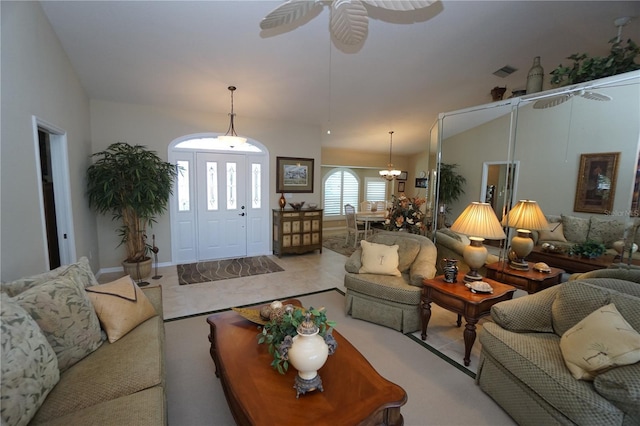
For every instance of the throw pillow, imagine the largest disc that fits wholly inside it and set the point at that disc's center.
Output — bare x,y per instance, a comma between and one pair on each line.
554,232
79,271
575,228
121,306
66,317
606,230
29,365
601,341
379,259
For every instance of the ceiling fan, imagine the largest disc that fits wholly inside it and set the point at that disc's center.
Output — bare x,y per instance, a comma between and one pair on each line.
349,21
557,100
592,96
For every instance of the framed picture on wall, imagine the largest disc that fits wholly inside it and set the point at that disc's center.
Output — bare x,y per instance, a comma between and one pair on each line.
400,186
596,182
422,182
294,174
403,175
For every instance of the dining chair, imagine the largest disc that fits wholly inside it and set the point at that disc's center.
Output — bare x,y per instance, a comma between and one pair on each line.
353,227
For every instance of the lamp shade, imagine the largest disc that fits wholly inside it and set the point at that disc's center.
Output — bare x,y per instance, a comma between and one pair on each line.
479,220
526,215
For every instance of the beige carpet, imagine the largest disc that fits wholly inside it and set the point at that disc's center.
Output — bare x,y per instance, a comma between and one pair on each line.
438,393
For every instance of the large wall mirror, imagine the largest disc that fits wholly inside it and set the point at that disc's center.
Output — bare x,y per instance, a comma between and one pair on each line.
545,138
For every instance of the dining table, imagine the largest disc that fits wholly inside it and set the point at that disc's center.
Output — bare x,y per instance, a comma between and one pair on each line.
368,218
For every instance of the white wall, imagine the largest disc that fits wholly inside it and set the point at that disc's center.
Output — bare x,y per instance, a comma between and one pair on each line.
157,127
37,79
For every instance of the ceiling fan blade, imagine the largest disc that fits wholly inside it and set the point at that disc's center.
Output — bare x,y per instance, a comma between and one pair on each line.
551,102
594,96
287,13
401,5
349,22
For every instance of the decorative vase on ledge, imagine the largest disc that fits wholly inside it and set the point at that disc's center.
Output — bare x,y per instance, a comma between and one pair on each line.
535,77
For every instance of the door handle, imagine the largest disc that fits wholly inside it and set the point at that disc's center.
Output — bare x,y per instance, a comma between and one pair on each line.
241,214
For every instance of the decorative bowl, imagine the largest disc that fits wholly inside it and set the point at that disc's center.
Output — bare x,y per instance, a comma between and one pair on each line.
312,205
297,205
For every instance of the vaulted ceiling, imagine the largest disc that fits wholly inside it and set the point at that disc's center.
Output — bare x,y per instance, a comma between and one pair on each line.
410,67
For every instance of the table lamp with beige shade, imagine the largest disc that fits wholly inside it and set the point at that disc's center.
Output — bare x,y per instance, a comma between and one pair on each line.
479,222
525,217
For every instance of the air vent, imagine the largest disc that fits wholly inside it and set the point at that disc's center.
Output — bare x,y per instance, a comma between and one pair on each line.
505,71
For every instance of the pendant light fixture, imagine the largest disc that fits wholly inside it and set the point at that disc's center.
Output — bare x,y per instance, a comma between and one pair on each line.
390,173
231,138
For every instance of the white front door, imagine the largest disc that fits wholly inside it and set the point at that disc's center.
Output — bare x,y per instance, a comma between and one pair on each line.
221,203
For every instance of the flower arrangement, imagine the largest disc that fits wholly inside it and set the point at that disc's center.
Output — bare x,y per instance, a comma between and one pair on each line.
405,215
284,321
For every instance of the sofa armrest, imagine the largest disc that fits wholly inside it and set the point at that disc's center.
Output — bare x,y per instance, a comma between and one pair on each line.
154,294
424,266
531,313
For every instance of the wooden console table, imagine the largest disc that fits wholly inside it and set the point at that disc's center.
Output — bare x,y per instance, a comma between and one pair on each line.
297,231
530,281
354,392
459,299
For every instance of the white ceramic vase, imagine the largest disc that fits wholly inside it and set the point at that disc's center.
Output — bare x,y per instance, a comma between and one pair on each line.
309,351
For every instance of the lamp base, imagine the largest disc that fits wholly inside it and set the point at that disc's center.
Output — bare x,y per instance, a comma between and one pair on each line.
472,276
519,264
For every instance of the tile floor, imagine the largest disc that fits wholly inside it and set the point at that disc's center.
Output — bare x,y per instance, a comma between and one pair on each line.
304,273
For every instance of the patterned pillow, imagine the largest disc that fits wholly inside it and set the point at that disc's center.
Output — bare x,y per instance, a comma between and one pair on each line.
66,316
79,271
29,365
121,306
379,259
606,231
601,341
575,228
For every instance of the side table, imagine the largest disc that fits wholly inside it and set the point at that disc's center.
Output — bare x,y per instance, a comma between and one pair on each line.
459,299
530,281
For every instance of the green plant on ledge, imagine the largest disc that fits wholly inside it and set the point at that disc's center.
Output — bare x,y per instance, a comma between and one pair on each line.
589,249
621,59
284,322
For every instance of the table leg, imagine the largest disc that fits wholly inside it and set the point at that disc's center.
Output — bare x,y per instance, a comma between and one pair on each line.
469,338
426,316
459,322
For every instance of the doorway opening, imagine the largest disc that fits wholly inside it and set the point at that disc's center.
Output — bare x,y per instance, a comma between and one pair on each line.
55,199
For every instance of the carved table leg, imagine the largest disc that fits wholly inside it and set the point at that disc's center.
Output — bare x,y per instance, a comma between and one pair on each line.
426,316
469,339
459,322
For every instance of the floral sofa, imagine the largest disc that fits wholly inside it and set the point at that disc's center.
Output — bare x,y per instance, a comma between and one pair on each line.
78,353
545,358
389,295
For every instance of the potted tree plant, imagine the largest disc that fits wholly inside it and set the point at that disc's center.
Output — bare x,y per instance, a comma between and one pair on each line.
449,189
134,185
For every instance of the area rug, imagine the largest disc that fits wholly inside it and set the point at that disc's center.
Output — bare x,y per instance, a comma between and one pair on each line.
337,243
216,270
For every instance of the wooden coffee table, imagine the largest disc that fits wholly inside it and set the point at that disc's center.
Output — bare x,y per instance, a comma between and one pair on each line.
459,299
530,281
354,392
573,263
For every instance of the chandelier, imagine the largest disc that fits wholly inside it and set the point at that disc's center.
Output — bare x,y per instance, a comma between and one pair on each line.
231,138
390,173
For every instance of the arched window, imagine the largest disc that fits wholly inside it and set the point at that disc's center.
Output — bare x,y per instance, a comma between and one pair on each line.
341,187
